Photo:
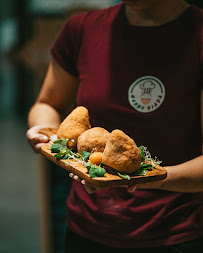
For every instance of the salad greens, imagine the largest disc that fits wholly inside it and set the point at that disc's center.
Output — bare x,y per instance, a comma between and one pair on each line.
63,152
124,176
141,148
95,170
62,142
56,148
85,155
60,148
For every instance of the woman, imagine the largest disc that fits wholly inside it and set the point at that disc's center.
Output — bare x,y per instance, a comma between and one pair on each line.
136,66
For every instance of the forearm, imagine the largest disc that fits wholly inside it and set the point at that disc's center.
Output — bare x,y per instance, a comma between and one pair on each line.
43,114
185,177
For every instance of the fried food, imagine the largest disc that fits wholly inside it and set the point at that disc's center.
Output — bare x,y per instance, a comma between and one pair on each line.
76,123
93,139
121,153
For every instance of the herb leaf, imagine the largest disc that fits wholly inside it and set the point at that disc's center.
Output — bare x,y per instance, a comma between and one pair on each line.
140,172
124,176
92,172
88,165
85,155
96,171
100,172
59,155
56,148
66,156
145,166
61,141
142,153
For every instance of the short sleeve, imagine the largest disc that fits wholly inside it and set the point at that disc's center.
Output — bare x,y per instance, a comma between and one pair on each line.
201,48
201,58
65,49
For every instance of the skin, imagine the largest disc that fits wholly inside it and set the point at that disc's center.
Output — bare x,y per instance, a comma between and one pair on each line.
154,12
53,104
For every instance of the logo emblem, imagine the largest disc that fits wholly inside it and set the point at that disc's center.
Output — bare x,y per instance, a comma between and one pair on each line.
146,94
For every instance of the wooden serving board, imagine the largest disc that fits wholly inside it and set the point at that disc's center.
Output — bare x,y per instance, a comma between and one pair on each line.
109,180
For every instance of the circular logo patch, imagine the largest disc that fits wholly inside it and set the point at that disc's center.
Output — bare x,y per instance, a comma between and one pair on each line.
146,94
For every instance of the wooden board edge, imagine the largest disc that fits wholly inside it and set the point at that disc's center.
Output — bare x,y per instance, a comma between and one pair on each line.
49,131
102,183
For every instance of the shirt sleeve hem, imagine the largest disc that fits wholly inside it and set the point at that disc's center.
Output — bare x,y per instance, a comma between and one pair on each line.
58,59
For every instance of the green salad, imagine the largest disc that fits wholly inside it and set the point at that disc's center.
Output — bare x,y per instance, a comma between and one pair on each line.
62,151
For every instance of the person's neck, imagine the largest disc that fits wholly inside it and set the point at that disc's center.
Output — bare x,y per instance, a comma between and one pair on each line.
158,12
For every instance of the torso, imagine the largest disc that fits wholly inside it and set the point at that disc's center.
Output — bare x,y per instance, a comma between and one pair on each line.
150,88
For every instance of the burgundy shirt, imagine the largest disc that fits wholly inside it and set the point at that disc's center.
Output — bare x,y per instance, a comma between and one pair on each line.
145,81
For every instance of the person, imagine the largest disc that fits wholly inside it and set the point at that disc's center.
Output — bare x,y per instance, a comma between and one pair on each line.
137,67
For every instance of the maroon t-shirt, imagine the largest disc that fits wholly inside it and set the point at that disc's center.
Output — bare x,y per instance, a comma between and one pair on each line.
145,81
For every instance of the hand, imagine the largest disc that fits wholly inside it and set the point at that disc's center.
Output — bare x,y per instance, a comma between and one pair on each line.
92,189
89,188
35,139
131,187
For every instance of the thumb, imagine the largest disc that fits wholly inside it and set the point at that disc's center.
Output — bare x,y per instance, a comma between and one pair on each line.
43,138
132,188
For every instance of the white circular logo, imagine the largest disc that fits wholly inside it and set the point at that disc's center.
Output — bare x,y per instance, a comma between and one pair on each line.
146,94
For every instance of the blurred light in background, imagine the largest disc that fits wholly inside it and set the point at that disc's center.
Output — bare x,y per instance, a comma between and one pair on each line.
50,6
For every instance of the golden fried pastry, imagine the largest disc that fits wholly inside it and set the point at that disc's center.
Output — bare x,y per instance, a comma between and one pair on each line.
93,139
121,153
76,123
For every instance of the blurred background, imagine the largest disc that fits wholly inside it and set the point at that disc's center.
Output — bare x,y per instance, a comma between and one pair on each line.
33,191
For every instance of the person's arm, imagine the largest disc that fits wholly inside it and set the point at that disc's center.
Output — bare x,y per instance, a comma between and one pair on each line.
56,99
185,177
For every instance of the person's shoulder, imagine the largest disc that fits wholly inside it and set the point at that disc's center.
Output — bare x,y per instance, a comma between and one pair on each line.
197,12
106,14
97,16
197,9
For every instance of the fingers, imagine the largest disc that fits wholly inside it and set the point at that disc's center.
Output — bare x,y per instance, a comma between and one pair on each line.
131,188
74,177
35,139
90,189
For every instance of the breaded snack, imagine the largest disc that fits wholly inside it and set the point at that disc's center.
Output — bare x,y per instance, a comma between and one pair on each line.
76,123
121,153
93,139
